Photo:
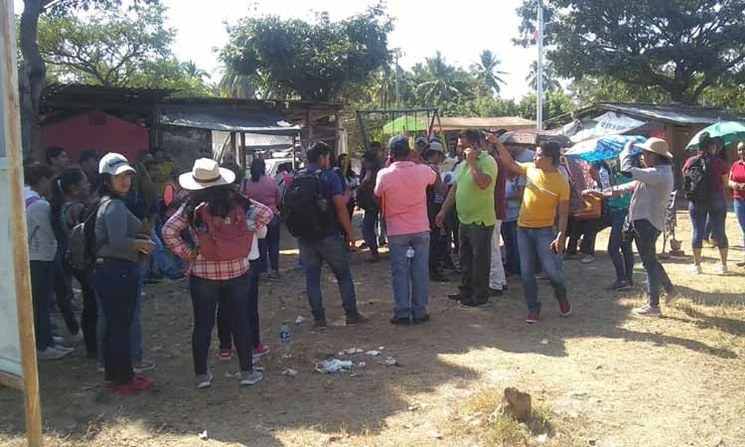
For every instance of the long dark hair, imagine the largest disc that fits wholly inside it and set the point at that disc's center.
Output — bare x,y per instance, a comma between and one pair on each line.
60,186
220,199
258,168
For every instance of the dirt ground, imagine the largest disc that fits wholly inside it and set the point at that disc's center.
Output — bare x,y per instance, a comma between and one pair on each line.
601,377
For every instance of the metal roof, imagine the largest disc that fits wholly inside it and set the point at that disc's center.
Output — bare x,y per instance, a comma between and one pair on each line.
682,115
501,122
267,122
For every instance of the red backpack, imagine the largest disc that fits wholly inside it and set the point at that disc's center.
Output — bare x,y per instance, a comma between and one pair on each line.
223,239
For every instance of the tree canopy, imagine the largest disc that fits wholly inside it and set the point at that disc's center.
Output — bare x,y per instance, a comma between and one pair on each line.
316,61
682,47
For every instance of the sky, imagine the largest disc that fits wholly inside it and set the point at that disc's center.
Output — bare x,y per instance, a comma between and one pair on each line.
459,31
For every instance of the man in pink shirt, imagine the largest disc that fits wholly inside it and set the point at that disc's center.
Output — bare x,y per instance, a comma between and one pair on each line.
402,191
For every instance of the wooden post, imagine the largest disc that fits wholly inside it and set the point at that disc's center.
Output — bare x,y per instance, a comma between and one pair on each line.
12,149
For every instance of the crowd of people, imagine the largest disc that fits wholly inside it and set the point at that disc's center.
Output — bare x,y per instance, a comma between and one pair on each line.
112,225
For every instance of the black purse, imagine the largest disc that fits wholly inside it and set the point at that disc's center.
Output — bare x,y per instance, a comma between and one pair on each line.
628,231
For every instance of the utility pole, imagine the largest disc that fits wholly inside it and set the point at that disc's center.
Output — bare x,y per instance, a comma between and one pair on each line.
539,93
395,72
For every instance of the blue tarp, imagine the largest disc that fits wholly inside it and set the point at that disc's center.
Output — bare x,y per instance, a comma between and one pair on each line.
604,148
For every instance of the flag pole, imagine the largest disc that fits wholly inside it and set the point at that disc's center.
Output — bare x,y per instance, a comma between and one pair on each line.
539,84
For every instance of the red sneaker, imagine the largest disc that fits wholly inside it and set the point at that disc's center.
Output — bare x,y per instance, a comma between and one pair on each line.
532,317
225,354
261,350
138,385
565,308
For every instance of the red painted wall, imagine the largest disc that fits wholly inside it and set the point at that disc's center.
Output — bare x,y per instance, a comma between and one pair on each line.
96,130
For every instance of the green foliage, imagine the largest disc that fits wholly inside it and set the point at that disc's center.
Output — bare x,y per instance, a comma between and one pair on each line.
550,78
682,47
590,90
486,72
316,61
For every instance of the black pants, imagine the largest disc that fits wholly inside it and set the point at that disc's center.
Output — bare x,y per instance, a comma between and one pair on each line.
89,318
117,284
232,296
475,261
588,230
436,239
41,294
223,318
62,286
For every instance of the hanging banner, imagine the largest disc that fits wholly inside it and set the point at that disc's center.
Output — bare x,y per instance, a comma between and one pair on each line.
609,123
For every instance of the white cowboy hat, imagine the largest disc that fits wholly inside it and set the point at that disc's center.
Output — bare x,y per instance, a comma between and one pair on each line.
656,146
206,173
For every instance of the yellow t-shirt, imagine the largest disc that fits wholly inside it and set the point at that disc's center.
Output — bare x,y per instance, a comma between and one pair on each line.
543,193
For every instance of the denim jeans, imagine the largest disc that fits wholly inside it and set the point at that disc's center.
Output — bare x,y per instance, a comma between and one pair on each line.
117,284
166,264
646,236
62,286
334,252
740,213
475,261
410,275
41,294
205,296
717,211
588,230
620,251
369,222
512,253
535,251
269,246
497,278
224,334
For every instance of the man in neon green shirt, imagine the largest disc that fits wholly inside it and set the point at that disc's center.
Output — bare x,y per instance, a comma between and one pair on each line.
473,196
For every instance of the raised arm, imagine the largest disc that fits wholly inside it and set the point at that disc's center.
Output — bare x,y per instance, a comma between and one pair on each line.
504,156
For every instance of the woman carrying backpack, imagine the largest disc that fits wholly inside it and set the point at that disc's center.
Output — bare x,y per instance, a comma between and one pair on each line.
217,217
120,244
70,190
706,178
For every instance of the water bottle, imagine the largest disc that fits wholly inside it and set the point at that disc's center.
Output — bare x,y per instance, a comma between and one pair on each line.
604,179
251,217
410,252
285,334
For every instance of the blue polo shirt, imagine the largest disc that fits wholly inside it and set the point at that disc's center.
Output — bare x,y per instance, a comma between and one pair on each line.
331,187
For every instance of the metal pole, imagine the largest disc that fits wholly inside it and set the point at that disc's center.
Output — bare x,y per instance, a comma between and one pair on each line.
539,93
11,142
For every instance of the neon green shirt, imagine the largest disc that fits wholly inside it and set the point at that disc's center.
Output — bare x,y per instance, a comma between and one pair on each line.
475,206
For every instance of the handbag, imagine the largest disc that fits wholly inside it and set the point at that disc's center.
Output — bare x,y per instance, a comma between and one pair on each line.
628,231
592,208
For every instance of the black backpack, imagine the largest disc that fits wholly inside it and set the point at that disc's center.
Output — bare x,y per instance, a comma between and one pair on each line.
306,211
697,183
81,247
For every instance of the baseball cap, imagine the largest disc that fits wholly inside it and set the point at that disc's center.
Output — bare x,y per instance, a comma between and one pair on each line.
114,164
434,147
399,145
422,140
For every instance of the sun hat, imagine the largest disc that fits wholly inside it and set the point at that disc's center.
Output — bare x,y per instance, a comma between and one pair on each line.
114,164
656,146
206,173
399,145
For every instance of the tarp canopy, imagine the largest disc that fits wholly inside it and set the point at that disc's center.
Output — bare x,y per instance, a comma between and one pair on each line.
491,123
603,148
408,123
609,123
228,120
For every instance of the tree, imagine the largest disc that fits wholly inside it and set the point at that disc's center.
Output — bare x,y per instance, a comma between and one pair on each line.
107,48
437,82
550,81
191,69
315,60
486,72
681,46
592,90
555,104
33,68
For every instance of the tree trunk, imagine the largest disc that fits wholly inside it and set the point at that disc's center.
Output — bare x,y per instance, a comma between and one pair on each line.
31,74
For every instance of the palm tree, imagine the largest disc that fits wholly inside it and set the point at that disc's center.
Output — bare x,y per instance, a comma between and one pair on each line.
550,83
486,71
236,85
191,69
438,80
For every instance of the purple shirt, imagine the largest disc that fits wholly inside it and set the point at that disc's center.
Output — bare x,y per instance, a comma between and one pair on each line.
264,191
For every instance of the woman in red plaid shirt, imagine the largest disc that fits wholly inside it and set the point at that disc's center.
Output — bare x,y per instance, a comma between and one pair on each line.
221,224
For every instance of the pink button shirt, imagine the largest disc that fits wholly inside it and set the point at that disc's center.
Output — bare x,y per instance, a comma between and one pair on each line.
402,188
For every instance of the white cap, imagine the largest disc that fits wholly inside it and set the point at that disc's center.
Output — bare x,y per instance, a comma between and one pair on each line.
114,164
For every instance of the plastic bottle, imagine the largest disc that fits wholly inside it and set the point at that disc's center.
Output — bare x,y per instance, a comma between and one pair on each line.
285,334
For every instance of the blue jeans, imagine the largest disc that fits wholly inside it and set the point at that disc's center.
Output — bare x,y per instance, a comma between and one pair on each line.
269,246
646,236
136,351
369,222
716,210
334,252
512,255
117,284
740,213
41,294
410,275
163,259
535,251
621,253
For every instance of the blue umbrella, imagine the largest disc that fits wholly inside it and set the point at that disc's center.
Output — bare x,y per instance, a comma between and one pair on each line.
604,148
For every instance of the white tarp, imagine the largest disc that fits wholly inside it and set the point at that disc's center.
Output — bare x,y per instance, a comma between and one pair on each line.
609,123
10,347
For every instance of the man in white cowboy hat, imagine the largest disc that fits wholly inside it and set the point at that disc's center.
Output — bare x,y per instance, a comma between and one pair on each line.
651,192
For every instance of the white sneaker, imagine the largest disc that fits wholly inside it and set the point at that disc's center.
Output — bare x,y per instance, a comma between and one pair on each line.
58,340
588,259
51,354
721,269
63,348
249,378
695,269
204,381
648,310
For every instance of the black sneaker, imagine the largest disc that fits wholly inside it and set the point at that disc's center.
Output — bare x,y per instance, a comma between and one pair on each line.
438,277
471,304
401,321
356,319
420,320
495,292
319,323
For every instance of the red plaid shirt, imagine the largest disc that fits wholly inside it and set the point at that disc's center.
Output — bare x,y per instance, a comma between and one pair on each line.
214,270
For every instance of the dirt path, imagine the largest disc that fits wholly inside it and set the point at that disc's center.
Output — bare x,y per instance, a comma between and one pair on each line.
602,376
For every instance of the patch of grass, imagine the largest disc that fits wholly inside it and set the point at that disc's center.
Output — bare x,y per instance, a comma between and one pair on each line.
479,418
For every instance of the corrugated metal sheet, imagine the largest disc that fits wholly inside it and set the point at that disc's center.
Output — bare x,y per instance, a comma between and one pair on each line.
229,120
494,123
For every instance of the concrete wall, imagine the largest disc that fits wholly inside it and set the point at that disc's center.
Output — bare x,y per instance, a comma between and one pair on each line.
185,144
